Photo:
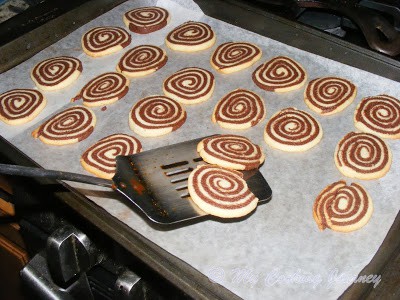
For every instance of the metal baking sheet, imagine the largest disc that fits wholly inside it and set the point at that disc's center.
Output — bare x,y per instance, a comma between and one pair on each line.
233,253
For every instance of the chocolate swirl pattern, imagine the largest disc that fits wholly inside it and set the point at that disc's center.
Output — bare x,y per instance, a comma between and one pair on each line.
342,207
56,73
101,41
379,115
104,89
156,115
292,130
221,192
190,85
145,20
239,109
99,158
280,74
232,57
20,106
363,156
231,151
142,60
329,95
67,127
190,37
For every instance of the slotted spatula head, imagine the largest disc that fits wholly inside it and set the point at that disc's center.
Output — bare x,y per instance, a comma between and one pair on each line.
156,182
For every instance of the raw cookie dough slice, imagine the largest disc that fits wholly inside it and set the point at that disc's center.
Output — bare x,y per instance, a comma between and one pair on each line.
190,37
104,89
20,106
99,158
329,95
235,56
56,73
142,60
69,126
363,156
190,85
292,130
221,192
101,41
239,109
231,151
145,20
156,115
280,74
342,207
379,115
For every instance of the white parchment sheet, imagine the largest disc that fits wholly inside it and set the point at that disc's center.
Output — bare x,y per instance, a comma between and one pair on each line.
276,253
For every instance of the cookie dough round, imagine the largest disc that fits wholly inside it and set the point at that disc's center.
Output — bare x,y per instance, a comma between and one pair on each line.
235,56
329,95
292,130
280,74
239,109
190,85
191,37
19,106
145,20
342,207
69,126
101,41
99,159
156,115
363,156
379,115
221,192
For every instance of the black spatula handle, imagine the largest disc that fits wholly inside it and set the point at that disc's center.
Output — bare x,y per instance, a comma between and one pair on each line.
43,173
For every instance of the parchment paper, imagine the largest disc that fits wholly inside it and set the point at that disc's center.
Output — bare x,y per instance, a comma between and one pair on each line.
278,252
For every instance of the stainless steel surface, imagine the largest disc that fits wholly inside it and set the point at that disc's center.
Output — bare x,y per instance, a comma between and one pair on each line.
128,287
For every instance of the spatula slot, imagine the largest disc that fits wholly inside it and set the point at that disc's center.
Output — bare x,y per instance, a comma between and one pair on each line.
181,187
177,180
174,165
197,159
186,195
180,171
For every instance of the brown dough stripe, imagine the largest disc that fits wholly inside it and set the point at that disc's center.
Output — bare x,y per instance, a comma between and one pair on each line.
379,115
326,95
100,39
145,20
232,54
19,104
190,34
342,207
100,157
279,73
239,107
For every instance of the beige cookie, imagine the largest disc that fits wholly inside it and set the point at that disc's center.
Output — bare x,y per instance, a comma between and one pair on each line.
144,20
292,130
329,95
191,37
342,207
363,156
221,192
235,56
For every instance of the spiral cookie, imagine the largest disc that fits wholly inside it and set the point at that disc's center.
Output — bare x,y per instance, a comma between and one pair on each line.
329,95
292,130
239,109
145,20
156,115
342,207
190,85
142,60
101,41
362,156
67,127
99,159
190,37
20,106
280,74
379,115
104,89
221,192
232,57
56,73
231,151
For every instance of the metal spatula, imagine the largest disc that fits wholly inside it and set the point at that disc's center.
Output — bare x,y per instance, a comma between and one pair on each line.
155,181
